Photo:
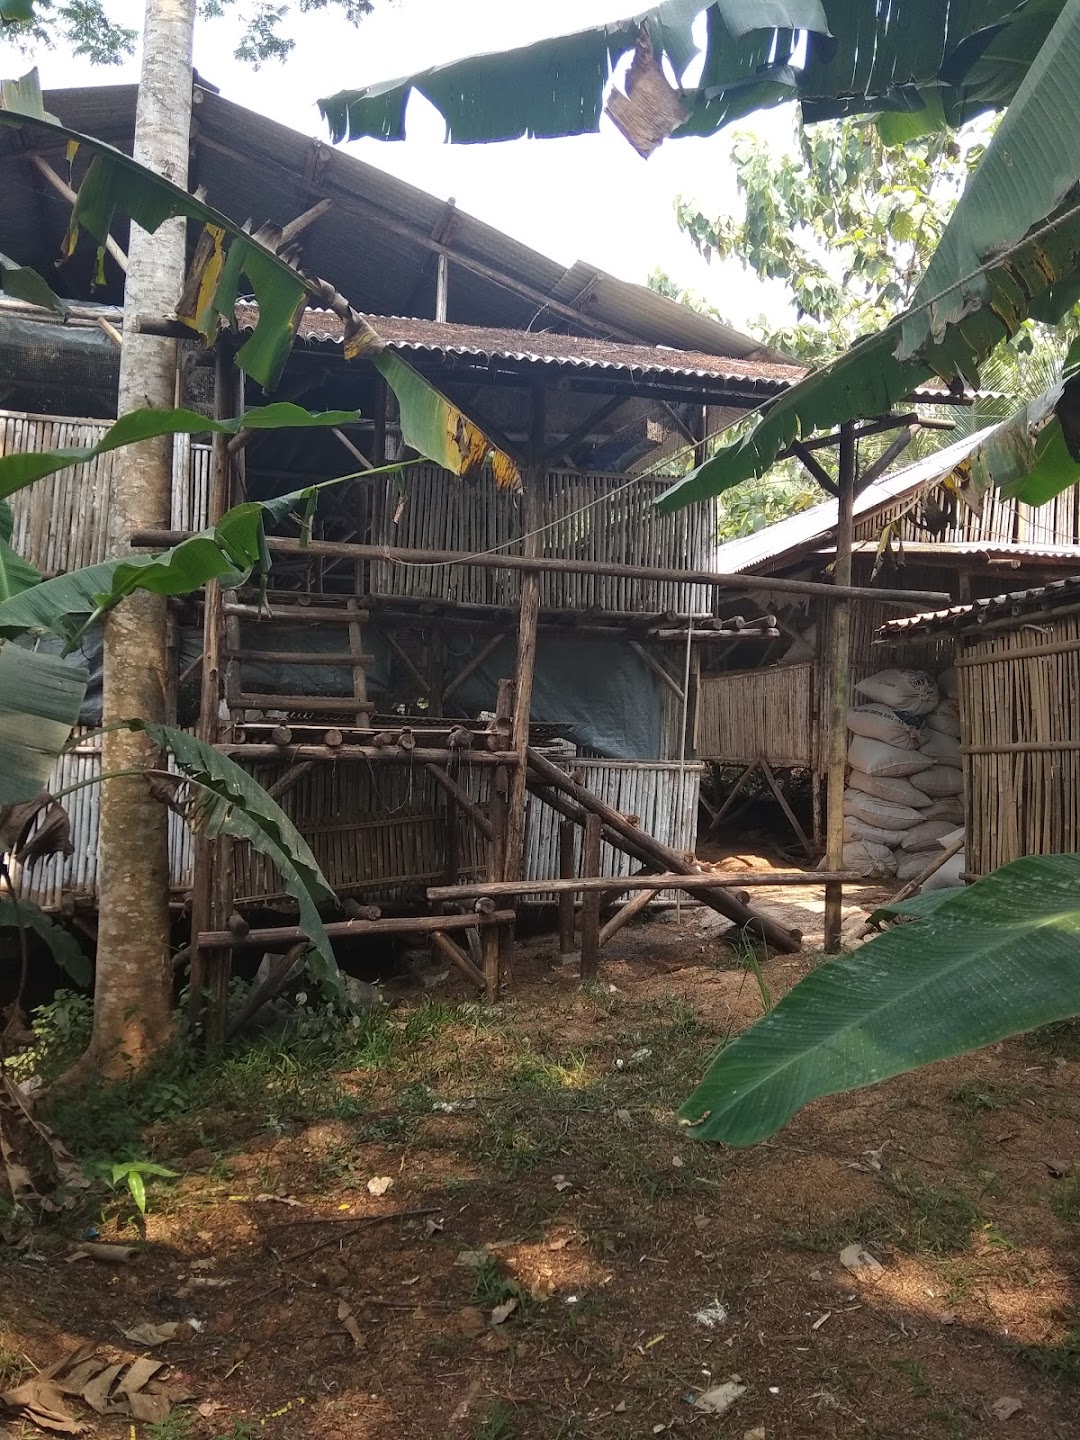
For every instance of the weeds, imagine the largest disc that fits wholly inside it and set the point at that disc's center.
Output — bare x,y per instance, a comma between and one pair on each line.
1061,1360
497,1424
937,1219
1065,1200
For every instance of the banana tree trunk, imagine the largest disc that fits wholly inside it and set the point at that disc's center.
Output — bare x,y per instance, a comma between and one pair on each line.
133,986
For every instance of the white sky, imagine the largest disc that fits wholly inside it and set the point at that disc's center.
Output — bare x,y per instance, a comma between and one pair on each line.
590,197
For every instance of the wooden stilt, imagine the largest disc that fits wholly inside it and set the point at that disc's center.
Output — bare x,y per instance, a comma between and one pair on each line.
566,900
457,956
590,906
731,797
782,800
528,615
625,914
463,802
839,690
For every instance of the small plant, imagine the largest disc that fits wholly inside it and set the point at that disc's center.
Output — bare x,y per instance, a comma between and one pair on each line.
492,1286
135,1173
1059,1361
497,1424
1065,1200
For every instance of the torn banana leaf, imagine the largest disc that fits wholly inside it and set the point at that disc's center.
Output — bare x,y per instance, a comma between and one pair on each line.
40,699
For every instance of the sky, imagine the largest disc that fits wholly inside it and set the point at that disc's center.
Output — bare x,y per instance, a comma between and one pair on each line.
588,197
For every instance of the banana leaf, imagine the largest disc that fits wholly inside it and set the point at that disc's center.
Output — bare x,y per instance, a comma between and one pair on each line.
65,949
22,283
932,61
40,699
979,964
24,467
16,574
228,801
1010,250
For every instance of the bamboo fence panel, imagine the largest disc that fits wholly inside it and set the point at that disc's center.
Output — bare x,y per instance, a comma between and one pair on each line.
62,521
47,882
765,714
1021,802
585,517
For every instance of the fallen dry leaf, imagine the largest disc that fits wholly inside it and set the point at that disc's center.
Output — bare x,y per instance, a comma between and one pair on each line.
379,1185
855,1258
502,1313
1059,1169
106,1254
1005,1408
151,1334
348,1320
41,1403
719,1398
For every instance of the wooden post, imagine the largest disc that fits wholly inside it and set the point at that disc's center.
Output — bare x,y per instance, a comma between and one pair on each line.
493,939
590,904
567,830
839,690
528,616
203,887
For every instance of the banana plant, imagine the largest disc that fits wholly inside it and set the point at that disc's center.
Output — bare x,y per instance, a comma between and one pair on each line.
113,182
835,57
970,966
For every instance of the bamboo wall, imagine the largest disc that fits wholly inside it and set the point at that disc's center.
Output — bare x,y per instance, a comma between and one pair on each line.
759,714
61,522
1002,520
1021,729
378,832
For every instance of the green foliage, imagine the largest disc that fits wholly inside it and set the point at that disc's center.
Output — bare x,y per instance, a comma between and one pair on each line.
762,502
987,962
134,1173
84,28
40,699
66,950
838,59
847,224
1010,251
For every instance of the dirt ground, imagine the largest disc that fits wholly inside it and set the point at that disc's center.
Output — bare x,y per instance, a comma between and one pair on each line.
530,1155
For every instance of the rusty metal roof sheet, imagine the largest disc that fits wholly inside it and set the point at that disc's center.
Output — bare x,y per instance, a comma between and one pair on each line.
969,618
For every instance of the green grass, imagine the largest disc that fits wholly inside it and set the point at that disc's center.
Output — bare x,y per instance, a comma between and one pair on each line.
1059,1361
1065,1200
994,1095
936,1219
497,1424
916,1376
1062,1039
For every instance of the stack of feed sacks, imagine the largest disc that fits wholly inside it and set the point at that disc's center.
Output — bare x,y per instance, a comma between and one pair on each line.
904,785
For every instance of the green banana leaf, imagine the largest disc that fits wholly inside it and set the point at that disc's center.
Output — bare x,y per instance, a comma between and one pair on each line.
230,802
40,699
838,57
115,181
990,960
229,551
24,467
1010,250
22,283
16,574
66,950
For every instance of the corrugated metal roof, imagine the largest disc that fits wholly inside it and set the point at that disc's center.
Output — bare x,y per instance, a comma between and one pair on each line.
544,347
799,531
377,243
964,618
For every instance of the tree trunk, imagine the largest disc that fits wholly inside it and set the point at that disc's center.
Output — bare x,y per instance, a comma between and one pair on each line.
133,988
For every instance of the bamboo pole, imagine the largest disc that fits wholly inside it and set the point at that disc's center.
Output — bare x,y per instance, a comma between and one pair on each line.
920,880
650,852
558,565
839,689
661,880
344,929
566,899
528,616
385,753
590,907
464,801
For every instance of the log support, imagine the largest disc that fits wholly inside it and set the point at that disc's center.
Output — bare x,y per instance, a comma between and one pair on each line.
839,690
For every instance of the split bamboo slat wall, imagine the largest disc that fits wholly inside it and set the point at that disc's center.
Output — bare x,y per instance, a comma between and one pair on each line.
61,522
377,831
1019,688
1005,521
758,714
74,876
442,513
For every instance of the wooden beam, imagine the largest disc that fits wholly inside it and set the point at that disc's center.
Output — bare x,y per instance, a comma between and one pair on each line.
457,956
296,227
882,463
465,802
585,883
594,418
63,189
782,801
651,852
390,754
658,669
473,663
550,564
590,908
532,516
816,469
625,914
567,831
352,449
343,929
839,690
